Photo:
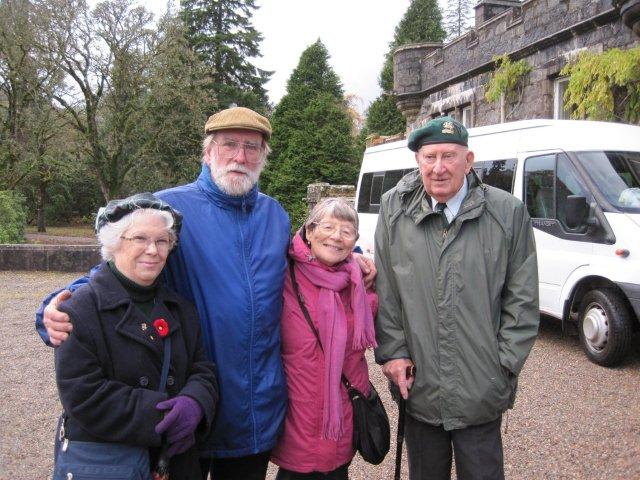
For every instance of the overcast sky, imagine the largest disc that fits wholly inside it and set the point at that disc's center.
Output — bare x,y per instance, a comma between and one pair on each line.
356,33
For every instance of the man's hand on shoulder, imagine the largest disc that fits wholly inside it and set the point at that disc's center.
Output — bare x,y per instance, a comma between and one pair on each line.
368,268
56,322
400,372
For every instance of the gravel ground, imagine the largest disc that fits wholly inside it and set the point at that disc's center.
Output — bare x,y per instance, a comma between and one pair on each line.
572,420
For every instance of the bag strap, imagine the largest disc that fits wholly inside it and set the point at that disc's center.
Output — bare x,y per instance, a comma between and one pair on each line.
307,316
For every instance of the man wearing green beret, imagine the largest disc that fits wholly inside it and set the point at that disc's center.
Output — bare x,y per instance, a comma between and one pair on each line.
458,290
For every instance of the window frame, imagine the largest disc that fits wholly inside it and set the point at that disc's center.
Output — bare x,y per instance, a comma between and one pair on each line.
559,88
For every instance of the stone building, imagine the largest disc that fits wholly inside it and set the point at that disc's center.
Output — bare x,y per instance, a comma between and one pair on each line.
432,79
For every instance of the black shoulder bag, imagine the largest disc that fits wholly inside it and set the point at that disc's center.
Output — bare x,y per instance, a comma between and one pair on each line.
371,433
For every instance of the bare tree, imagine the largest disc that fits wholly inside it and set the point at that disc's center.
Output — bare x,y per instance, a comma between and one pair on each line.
458,15
105,53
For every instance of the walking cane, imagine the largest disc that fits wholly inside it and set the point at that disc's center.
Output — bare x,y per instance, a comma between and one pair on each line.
402,404
402,407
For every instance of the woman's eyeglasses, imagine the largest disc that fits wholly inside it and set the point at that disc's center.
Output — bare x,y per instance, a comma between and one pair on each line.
328,229
142,242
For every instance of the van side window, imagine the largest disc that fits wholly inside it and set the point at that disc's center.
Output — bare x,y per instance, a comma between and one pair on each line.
549,180
376,189
567,183
373,185
364,193
497,173
539,174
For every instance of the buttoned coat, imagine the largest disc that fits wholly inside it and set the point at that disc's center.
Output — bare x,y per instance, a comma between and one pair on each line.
108,371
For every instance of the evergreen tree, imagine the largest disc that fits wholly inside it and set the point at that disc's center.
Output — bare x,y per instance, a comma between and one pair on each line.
312,135
174,111
220,32
383,117
422,22
457,17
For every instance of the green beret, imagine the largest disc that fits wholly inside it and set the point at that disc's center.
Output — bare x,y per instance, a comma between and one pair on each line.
118,209
238,117
438,130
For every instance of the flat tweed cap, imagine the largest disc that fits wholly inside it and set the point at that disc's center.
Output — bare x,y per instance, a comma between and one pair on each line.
438,130
118,209
238,117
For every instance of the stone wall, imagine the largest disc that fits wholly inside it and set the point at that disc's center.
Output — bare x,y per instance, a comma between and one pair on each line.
61,258
546,33
316,192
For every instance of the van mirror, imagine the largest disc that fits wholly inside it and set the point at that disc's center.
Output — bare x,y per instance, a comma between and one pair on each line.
577,211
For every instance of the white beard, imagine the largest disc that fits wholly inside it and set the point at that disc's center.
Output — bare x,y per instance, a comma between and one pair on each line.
235,186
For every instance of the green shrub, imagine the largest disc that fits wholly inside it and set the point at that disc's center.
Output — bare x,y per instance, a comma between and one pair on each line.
13,217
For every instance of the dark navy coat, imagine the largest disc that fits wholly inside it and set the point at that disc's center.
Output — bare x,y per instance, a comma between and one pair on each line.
108,371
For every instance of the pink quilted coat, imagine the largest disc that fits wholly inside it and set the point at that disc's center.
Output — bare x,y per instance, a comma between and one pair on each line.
301,447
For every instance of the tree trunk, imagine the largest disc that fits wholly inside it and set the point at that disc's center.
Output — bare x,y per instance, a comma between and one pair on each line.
42,200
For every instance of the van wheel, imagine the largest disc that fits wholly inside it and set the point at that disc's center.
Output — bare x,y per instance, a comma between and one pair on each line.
605,327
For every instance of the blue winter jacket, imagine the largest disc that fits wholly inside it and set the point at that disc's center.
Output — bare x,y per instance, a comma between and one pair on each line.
231,262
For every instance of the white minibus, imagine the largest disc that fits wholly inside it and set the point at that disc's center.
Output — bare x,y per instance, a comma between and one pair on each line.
580,181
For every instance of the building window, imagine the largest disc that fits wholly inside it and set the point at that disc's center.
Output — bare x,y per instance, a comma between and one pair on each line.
466,116
560,112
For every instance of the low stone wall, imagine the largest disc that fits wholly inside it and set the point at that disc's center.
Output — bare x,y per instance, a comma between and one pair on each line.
60,258
316,192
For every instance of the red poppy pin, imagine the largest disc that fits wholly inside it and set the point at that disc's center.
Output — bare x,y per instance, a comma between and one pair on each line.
161,326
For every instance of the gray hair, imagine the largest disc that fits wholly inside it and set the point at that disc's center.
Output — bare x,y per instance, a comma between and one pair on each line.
110,235
208,141
333,207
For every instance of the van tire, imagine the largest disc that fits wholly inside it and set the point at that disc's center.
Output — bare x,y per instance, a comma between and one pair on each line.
605,327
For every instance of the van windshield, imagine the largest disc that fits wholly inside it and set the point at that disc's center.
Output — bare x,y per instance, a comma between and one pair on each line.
617,176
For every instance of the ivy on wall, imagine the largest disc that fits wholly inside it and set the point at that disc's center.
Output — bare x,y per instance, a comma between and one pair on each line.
605,86
506,84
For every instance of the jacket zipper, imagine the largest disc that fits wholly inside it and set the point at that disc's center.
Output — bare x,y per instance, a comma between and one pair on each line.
251,302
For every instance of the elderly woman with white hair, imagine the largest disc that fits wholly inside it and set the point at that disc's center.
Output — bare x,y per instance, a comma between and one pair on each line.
327,324
132,377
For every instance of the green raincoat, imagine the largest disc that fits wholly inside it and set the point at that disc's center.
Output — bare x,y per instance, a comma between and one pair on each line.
462,303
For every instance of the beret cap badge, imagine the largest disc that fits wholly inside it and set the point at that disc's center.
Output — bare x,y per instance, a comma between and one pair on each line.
448,128
438,130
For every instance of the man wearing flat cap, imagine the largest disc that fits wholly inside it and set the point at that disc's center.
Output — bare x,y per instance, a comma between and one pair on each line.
458,289
230,262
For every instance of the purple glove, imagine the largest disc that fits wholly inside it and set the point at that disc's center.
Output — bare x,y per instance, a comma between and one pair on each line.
181,420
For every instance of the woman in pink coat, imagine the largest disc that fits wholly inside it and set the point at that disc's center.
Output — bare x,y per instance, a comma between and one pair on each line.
318,429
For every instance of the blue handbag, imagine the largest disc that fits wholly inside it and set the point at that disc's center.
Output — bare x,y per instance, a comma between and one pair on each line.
109,461
75,460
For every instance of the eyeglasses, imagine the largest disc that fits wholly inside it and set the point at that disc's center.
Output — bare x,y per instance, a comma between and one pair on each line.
328,229
163,245
446,158
231,148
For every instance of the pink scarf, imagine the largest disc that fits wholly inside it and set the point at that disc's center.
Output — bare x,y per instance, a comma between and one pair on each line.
332,321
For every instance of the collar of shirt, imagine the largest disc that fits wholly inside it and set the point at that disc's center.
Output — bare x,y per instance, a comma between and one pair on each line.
454,203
